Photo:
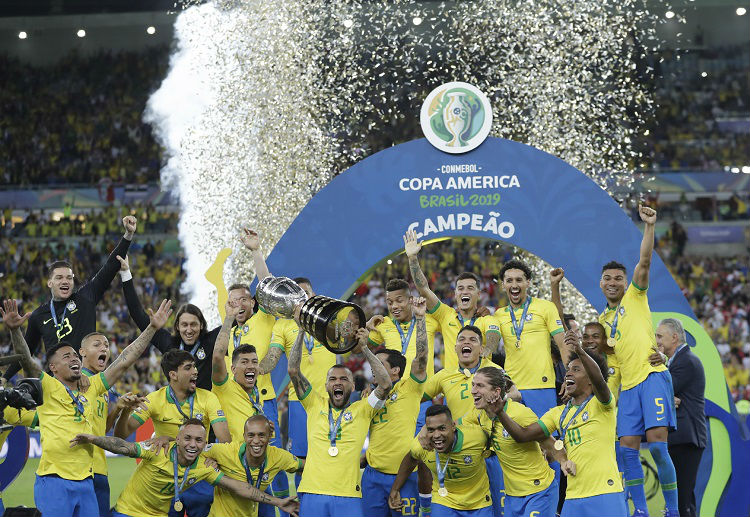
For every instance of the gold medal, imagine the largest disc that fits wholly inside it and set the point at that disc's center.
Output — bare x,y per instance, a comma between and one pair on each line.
486,453
559,445
309,358
611,342
442,491
467,372
333,451
178,506
518,343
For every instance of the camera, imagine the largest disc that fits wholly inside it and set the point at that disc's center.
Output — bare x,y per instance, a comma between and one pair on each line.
27,394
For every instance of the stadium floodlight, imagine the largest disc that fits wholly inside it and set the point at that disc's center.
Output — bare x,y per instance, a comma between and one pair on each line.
150,29
81,33
704,74
735,170
746,169
741,11
22,35
669,15
416,20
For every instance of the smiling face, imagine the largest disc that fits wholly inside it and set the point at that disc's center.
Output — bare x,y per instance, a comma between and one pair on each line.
257,434
468,348
189,327
613,283
95,353
398,304
594,338
440,430
467,294
242,299
245,370
481,389
339,385
61,283
184,378
515,285
577,383
65,364
191,440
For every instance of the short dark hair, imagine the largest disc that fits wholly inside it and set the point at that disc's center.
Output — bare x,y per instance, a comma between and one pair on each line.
596,324
190,309
237,286
614,265
515,264
192,421
255,418
395,358
92,334
438,409
56,264
600,361
173,359
497,377
302,280
396,284
243,349
468,275
51,351
476,330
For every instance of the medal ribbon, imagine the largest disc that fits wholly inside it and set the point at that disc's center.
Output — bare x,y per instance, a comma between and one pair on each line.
564,430
54,314
333,428
516,327
471,370
192,352
441,472
256,403
309,343
191,399
461,319
405,340
259,480
613,325
236,337
178,486
76,401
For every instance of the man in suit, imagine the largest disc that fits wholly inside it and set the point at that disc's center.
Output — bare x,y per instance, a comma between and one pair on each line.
687,442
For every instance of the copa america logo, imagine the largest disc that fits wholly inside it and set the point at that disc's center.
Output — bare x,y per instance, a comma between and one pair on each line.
456,117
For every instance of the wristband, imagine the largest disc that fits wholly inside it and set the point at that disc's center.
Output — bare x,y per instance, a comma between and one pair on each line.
126,275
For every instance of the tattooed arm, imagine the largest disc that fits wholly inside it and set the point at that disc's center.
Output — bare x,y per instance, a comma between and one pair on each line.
419,363
221,345
108,443
382,379
411,248
271,359
300,382
134,350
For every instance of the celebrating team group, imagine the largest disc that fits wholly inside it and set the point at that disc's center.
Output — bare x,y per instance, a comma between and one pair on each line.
498,445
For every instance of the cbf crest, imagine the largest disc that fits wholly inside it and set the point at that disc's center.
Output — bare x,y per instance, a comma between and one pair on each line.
348,416
467,460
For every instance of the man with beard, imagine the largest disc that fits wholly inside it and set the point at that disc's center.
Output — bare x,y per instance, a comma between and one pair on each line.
169,407
161,478
64,484
249,460
336,432
69,315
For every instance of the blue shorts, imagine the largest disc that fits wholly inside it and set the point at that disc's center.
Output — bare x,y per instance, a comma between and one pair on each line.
646,405
297,429
438,510
376,486
118,514
55,496
280,484
497,485
604,505
318,505
421,416
197,500
539,400
101,488
544,503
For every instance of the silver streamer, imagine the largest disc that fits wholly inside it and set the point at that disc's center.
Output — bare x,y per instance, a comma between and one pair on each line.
266,101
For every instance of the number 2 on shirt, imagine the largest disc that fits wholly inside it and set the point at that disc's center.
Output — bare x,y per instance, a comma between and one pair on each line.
465,388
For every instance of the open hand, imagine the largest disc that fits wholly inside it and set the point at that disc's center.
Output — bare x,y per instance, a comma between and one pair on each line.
374,322
10,315
81,439
568,468
132,401
160,317
231,310
290,505
418,306
394,500
411,244
250,239
158,443
656,358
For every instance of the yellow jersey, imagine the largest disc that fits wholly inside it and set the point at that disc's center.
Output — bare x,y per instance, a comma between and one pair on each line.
150,490
257,332
320,467
525,469
390,332
97,413
316,359
450,323
456,387
465,475
389,425
615,375
238,405
27,417
162,410
231,460
530,364
59,421
634,334
589,443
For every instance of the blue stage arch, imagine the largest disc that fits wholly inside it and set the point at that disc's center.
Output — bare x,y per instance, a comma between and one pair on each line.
517,194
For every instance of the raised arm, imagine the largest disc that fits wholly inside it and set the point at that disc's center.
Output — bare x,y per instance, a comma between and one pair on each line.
135,308
419,363
601,390
221,345
103,278
129,401
248,491
135,349
641,273
404,471
300,382
13,321
412,247
530,433
251,240
382,379
108,443
555,277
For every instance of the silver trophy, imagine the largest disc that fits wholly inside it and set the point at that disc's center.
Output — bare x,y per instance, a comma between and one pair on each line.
333,323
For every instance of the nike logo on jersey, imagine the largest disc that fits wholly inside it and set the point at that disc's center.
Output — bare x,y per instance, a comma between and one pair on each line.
659,419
